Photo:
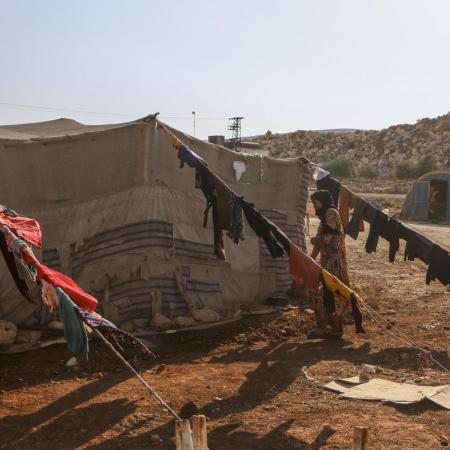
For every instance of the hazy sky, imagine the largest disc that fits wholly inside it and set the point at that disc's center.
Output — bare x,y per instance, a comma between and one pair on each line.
283,65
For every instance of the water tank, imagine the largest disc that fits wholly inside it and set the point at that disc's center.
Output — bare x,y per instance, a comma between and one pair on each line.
218,139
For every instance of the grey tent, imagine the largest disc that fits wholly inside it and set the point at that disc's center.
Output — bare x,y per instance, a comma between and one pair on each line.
428,198
120,217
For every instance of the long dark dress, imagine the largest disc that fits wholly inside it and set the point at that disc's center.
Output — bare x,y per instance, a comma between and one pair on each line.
333,258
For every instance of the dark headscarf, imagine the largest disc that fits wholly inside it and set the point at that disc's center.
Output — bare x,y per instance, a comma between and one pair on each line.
326,199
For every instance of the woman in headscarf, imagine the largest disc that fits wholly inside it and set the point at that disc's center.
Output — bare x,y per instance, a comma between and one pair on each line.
330,244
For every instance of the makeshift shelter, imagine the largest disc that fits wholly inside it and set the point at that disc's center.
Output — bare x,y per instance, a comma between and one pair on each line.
428,198
120,217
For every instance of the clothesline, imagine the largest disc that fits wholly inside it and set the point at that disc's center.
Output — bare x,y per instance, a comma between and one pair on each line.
391,329
418,245
305,270
437,241
398,334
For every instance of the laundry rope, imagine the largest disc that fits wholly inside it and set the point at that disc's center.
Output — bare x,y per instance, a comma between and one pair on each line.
405,340
131,368
421,233
374,314
408,224
400,336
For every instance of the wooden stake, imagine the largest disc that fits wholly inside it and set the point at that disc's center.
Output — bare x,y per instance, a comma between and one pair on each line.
183,435
199,434
360,438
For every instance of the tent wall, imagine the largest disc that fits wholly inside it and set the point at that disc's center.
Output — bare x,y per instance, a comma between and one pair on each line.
121,218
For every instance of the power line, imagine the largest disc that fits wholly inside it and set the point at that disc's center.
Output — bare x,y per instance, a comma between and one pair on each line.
80,111
51,108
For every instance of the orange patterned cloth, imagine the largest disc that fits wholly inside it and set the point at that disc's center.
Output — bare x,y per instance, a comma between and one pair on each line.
347,201
49,296
303,269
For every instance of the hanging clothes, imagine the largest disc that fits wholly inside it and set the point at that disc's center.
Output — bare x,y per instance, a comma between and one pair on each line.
205,182
28,229
49,296
417,245
74,330
12,267
57,279
392,231
189,157
339,297
347,201
370,213
23,273
304,270
26,271
236,229
339,289
439,267
376,229
111,331
76,293
410,236
276,242
226,209
356,313
353,228
328,183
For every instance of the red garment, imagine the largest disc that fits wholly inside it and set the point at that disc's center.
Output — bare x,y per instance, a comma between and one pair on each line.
57,279
28,229
304,269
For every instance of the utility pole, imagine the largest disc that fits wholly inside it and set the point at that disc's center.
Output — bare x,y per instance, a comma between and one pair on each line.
193,114
235,128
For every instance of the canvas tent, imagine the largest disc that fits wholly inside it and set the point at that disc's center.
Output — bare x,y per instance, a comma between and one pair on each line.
120,217
428,198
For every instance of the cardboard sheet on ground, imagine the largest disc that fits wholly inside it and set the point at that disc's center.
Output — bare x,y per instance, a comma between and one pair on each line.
390,391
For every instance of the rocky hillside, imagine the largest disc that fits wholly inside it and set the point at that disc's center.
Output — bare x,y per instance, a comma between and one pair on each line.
376,151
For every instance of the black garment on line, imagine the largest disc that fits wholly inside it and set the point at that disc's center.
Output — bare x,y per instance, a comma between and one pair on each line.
330,184
439,267
410,236
11,263
392,232
352,228
205,182
357,316
276,242
417,245
376,229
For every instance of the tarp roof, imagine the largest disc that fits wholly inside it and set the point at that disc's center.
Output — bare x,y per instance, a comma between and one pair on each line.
51,129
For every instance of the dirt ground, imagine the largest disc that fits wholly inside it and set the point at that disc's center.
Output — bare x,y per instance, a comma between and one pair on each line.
247,377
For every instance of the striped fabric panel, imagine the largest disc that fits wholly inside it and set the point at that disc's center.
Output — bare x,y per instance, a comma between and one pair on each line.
199,253
128,238
302,201
132,297
132,244
279,266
